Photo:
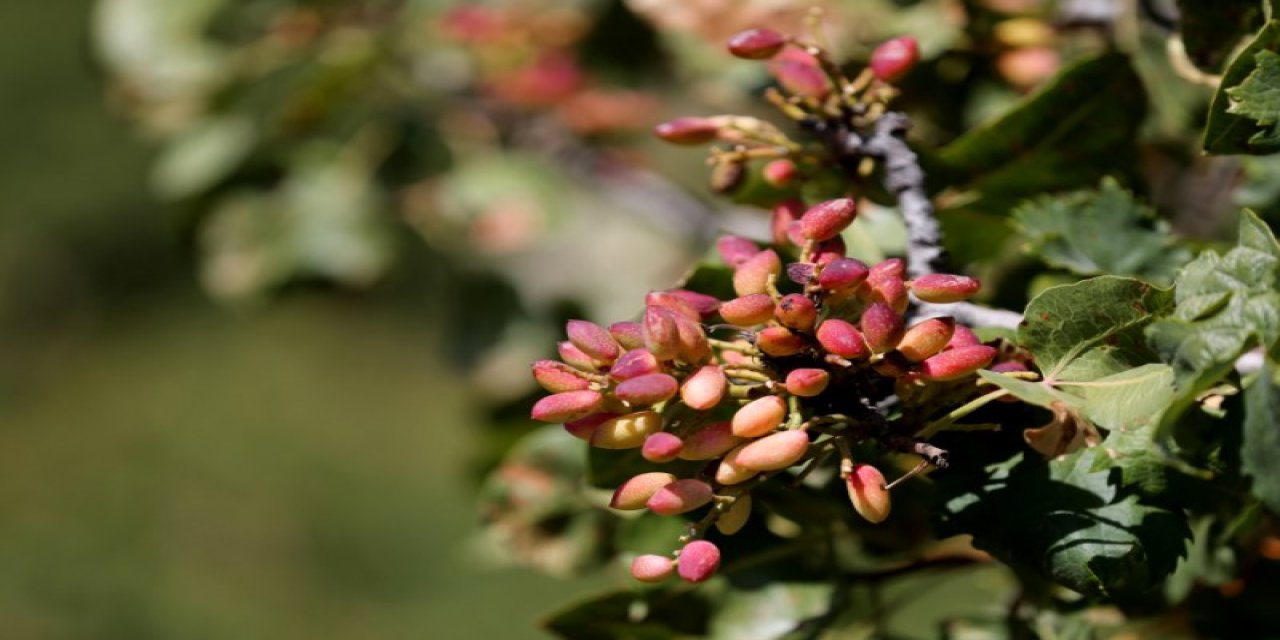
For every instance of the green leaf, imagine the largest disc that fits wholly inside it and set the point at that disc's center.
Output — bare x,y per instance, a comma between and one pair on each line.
1079,128
1226,304
1261,447
1093,328
1087,338
1062,519
1258,97
1227,132
771,611
1100,232
1212,28
661,614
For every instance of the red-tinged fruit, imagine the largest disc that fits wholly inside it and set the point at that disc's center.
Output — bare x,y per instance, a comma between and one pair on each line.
652,568
628,334
694,346
926,338
688,130
894,58
774,452
785,214
807,383
942,288
647,390
780,342
729,472
572,355
558,377
566,406
626,431
882,327
705,388
711,441
892,292
661,447
963,337
801,78
706,305
759,417
583,428
667,300
736,516
867,492
752,276
698,561
661,336
841,338
957,363
842,274
735,250
796,311
633,364
681,496
634,493
895,268
756,44
592,339
748,310
826,220
829,250
780,173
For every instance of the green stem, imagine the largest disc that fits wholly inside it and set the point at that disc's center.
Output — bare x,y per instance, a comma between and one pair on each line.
959,412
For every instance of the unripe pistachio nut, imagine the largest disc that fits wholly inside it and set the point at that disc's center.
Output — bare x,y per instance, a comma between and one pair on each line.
867,492
756,44
753,275
841,338
942,288
748,310
776,451
759,417
698,561
681,496
826,220
688,130
709,441
796,311
632,494
957,363
647,389
807,383
705,388
593,340
882,327
661,447
626,431
780,341
652,568
567,405
557,377
926,338
736,516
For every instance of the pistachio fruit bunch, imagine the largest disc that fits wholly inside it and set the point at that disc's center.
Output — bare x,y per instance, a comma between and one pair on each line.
808,357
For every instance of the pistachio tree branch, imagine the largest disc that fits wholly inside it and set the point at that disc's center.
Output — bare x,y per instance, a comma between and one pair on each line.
905,179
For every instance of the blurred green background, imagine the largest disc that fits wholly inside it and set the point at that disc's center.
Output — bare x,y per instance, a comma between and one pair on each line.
176,469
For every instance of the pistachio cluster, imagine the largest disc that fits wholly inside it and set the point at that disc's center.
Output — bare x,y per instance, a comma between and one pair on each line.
798,364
